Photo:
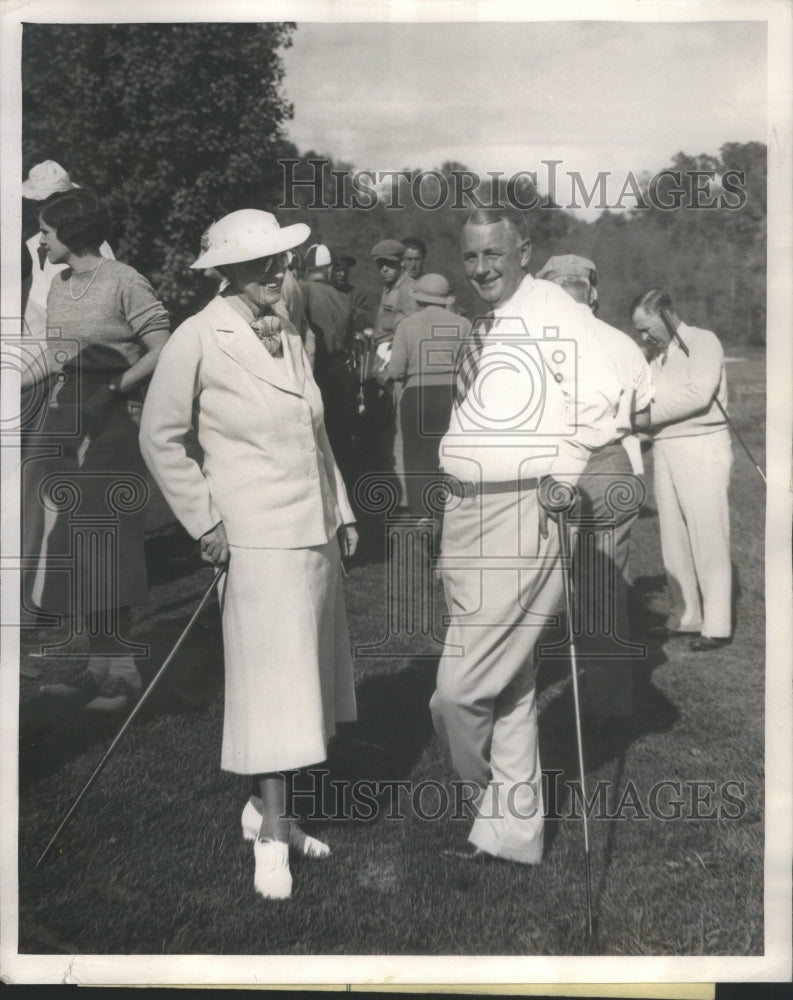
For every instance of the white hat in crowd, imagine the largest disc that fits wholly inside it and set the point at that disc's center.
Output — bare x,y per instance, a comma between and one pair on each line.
45,179
318,255
247,235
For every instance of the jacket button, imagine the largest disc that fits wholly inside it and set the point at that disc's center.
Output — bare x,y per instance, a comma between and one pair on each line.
314,474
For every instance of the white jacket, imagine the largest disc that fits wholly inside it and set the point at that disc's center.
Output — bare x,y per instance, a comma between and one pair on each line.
268,471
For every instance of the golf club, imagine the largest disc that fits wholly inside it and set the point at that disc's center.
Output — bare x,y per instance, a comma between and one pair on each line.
210,590
558,499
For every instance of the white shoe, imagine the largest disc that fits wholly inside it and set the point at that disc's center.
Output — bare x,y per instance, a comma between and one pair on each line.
272,879
309,847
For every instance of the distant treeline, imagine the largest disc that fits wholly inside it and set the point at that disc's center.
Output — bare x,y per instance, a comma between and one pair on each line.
176,124
711,259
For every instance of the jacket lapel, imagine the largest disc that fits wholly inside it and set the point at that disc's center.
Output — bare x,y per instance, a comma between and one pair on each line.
236,339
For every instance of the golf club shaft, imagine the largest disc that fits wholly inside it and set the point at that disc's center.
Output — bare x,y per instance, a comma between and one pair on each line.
212,587
564,546
670,326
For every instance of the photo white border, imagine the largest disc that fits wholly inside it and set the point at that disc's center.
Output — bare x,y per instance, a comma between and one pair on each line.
775,964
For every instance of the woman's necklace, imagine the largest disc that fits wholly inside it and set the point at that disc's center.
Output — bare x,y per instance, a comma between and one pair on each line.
82,293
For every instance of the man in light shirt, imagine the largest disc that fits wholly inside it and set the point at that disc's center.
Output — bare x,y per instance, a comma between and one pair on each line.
693,459
611,496
533,400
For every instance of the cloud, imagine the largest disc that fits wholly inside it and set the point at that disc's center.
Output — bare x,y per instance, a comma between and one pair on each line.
616,95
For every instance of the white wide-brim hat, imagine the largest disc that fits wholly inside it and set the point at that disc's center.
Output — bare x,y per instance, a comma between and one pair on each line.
247,235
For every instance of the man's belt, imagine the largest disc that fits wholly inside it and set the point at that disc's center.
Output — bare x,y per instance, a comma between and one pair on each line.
468,490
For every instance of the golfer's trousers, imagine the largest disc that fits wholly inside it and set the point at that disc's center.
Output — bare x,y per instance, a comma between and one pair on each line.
611,496
692,476
485,704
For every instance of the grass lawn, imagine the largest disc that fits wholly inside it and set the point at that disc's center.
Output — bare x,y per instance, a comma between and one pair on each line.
154,863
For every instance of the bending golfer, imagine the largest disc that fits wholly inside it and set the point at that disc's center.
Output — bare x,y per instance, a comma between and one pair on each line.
520,414
692,454
269,499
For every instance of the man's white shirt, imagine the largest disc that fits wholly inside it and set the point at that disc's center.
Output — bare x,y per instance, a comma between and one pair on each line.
545,394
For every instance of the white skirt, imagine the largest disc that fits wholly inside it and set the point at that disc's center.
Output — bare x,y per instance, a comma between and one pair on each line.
289,672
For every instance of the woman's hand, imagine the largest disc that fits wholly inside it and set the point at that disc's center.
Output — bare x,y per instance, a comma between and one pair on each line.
214,546
348,540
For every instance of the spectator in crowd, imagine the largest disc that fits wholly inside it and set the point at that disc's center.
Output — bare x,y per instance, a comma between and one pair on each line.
396,302
292,302
44,181
362,312
269,502
602,553
693,461
414,256
329,315
110,331
527,408
422,361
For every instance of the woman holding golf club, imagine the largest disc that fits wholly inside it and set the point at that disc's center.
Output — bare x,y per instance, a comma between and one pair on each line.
268,501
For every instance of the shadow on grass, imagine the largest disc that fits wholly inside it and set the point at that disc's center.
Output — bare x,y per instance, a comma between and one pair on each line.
171,554
393,728
653,713
54,730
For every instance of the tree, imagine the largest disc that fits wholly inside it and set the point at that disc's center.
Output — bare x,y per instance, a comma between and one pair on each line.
172,125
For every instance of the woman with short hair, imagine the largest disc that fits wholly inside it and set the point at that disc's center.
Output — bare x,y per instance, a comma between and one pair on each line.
106,329
268,499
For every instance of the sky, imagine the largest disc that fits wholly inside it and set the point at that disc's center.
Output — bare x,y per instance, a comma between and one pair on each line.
607,95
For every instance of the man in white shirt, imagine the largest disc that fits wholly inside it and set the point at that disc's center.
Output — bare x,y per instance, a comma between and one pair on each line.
692,456
533,401
611,495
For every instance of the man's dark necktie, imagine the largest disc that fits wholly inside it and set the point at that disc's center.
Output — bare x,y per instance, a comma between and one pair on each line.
470,354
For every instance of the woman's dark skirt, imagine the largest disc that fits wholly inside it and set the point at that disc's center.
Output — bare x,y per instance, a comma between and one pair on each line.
84,499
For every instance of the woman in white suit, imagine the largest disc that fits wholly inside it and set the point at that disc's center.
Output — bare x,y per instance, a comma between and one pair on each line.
268,499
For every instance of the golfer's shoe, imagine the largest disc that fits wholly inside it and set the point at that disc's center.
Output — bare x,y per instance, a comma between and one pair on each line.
272,878
300,842
466,852
78,691
471,854
115,692
704,643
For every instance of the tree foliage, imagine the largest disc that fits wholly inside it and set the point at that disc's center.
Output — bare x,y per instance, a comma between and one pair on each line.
173,125
712,260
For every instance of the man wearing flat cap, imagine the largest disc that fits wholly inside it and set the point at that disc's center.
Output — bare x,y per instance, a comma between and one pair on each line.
396,302
602,554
